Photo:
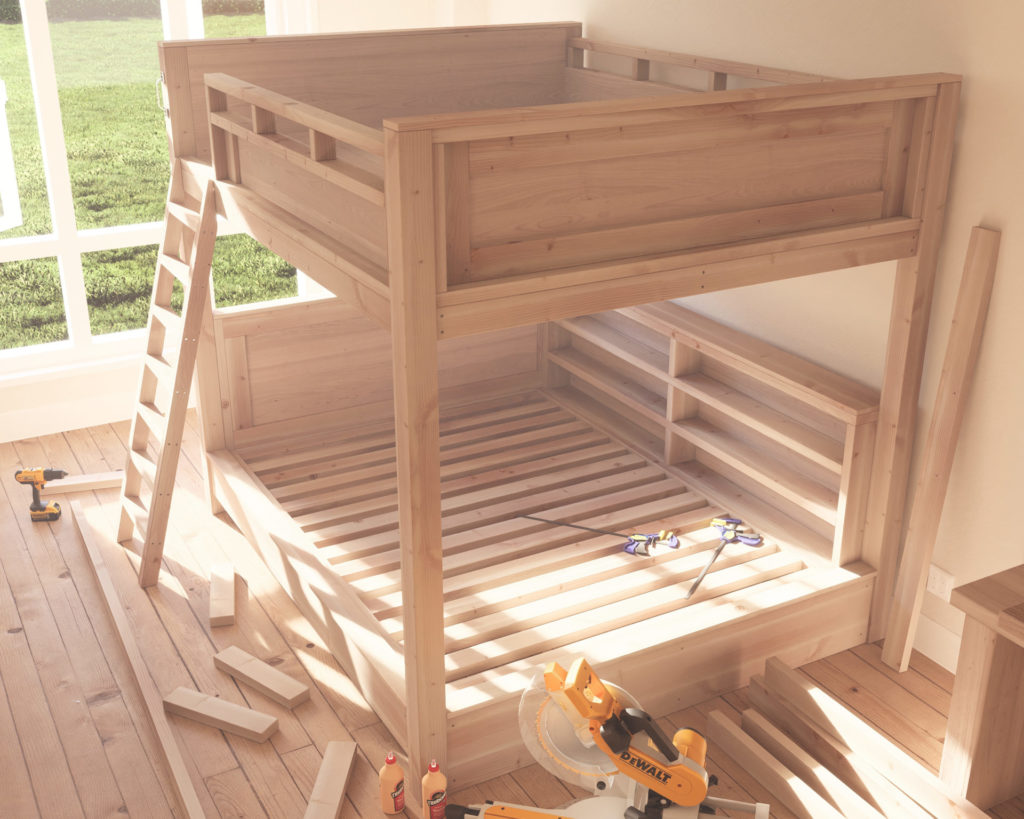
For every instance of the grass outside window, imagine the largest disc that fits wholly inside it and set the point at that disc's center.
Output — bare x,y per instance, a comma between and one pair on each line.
117,157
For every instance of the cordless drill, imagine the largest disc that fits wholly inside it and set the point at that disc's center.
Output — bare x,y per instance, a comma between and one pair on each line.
37,476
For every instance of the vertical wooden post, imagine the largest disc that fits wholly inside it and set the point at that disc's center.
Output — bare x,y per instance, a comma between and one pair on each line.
682,359
409,194
908,327
858,447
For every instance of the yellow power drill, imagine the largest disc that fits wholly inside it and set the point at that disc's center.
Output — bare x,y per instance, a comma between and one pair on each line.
37,477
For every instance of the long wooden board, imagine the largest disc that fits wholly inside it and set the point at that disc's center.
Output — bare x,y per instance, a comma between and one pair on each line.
940,447
180,779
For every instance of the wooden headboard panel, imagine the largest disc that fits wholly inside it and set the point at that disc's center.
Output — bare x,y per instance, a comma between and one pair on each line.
304,364
368,76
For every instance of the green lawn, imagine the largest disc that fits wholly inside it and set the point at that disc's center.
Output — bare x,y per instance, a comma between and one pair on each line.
117,158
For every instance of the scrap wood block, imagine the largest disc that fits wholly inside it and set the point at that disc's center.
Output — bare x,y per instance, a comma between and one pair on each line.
329,789
218,713
260,675
222,595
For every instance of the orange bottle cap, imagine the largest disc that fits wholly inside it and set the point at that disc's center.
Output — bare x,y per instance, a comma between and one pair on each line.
433,766
389,759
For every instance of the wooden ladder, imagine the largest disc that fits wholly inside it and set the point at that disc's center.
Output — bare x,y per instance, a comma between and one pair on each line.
185,255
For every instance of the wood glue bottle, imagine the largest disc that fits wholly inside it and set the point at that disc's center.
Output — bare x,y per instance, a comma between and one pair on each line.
435,792
392,786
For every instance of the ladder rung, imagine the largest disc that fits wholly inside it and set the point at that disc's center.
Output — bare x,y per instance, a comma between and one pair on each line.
144,465
155,421
183,214
163,370
168,319
176,267
137,512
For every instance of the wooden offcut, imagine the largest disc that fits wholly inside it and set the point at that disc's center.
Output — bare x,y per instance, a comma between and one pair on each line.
940,446
328,796
260,675
87,483
222,595
218,713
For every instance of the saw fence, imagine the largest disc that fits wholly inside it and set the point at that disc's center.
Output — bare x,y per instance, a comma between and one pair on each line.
490,206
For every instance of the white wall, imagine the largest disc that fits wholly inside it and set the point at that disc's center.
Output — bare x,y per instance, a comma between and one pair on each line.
841,318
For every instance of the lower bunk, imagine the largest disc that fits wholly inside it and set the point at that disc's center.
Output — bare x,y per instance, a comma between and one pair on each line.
520,592
557,443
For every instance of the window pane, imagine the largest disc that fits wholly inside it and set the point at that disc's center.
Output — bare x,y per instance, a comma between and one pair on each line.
244,271
31,306
21,137
233,18
107,74
118,286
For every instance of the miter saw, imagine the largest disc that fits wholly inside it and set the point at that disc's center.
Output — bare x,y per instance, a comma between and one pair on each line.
592,734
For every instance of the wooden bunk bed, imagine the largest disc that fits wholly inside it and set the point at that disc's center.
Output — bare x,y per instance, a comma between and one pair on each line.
504,215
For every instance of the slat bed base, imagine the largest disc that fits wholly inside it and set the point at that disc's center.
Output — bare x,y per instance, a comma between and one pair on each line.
520,592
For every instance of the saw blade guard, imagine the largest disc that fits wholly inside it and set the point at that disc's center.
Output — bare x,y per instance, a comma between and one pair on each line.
559,739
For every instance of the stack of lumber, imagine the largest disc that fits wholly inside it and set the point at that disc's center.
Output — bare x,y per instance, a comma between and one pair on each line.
822,761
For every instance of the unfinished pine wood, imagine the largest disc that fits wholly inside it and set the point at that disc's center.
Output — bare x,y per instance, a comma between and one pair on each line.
165,386
728,738
334,697
218,713
834,718
787,752
982,754
493,218
222,595
87,483
180,777
911,305
328,796
962,352
263,677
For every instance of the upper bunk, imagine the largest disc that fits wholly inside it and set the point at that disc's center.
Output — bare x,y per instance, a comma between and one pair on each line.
526,174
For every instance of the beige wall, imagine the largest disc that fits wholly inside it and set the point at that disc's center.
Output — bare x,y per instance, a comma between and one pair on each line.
841,318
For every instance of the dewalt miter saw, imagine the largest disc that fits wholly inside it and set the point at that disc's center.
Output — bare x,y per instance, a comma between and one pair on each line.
591,734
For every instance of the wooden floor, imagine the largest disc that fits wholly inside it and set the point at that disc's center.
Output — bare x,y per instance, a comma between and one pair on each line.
74,740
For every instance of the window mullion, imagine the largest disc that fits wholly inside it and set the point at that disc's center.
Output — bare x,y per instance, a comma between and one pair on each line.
55,166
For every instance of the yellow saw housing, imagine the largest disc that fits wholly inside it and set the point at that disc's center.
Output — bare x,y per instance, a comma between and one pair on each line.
682,779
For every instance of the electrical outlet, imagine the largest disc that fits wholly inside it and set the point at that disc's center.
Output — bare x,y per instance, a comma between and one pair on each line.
940,582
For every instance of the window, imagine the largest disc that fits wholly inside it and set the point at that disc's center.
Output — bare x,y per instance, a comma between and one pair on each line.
82,210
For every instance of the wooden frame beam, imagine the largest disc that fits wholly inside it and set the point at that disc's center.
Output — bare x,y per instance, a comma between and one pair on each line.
412,260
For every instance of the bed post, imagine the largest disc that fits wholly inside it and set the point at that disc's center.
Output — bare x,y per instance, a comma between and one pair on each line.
409,195
932,149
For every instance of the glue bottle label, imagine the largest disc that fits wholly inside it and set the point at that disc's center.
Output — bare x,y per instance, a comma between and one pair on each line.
398,797
436,804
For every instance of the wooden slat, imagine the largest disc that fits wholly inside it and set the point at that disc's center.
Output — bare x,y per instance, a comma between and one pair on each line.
958,365
266,679
349,131
218,713
727,737
738,69
181,781
829,715
833,755
806,767
328,796
574,628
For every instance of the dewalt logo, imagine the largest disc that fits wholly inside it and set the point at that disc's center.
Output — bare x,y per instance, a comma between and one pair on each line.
645,766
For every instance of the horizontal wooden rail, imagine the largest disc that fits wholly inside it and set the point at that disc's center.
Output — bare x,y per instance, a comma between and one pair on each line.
709,64
317,120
